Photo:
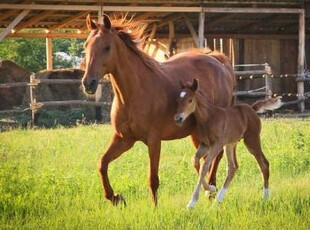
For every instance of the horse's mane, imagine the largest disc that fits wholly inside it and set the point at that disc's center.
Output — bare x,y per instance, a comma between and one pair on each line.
131,33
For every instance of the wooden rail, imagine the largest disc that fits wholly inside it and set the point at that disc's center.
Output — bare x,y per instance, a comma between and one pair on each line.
35,106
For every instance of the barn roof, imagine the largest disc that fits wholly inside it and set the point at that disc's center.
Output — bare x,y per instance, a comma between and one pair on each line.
222,17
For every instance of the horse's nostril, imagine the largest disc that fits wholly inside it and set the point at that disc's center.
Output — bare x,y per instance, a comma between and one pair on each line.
178,118
93,83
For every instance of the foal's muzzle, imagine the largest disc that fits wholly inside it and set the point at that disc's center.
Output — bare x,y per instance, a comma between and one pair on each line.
179,119
90,85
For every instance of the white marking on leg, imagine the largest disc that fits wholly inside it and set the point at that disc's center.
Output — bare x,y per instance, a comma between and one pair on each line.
221,194
195,197
266,193
191,204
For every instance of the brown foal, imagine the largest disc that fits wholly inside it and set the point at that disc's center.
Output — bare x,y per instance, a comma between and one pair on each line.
218,128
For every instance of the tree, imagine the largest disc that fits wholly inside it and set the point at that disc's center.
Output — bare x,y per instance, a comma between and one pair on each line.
30,53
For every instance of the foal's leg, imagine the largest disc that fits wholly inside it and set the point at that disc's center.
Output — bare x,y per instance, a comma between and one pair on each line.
201,152
252,142
212,153
213,169
117,147
232,167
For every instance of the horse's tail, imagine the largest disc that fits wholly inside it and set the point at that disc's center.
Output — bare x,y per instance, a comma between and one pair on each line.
269,104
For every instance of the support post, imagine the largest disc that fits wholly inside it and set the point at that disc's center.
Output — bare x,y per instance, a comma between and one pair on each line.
268,80
49,54
301,60
32,100
201,29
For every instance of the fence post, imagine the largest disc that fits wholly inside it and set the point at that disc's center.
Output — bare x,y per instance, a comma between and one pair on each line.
32,99
268,80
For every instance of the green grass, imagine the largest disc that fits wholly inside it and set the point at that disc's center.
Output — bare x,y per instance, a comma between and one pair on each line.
49,180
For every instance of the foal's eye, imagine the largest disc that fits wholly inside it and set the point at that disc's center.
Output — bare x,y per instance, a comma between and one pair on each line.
190,100
107,48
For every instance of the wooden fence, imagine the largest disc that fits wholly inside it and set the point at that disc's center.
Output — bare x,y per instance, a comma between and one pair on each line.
35,105
265,91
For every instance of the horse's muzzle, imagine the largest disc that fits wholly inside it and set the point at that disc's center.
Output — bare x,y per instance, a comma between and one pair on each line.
179,119
90,85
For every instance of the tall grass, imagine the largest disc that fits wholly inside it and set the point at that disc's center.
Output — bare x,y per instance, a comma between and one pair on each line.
49,180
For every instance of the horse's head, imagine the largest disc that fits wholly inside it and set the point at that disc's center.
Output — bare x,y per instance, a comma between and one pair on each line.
98,53
186,102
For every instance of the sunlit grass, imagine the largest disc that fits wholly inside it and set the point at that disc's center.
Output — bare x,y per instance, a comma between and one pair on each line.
49,180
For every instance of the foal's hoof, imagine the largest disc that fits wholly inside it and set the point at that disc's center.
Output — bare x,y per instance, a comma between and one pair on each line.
118,199
211,194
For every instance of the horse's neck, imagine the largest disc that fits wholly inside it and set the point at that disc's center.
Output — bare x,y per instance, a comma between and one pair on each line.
130,74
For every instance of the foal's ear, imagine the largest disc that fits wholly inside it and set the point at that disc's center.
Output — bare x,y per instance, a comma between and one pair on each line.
183,86
194,85
107,21
91,25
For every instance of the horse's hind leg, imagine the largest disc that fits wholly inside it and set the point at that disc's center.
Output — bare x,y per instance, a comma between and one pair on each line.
232,167
117,147
252,142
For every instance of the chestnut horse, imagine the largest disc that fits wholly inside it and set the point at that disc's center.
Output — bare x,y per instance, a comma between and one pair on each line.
218,128
146,92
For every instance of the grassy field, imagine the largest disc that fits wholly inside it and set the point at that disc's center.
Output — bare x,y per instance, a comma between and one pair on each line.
49,180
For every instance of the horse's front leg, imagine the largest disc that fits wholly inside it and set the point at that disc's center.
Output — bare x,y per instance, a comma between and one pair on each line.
116,148
211,154
154,145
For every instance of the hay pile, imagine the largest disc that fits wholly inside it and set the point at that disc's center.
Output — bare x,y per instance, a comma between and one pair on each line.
12,73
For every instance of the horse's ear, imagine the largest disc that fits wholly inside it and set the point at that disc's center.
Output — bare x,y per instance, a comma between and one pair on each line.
107,21
91,25
194,86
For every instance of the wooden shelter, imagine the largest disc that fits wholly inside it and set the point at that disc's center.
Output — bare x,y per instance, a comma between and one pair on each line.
249,31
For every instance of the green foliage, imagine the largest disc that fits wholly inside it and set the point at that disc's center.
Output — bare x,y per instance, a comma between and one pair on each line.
49,180
30,53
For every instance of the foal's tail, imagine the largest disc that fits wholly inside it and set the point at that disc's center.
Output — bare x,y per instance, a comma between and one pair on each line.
269,104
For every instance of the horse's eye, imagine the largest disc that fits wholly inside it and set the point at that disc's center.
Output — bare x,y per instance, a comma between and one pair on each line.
190,100
107,48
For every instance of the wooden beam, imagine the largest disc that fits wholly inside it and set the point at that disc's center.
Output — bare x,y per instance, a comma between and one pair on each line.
191,29
201,29
48,35
151,8
69,21
34,20
151,37
261,22
171,30
8,14
215,20
301,60
20,17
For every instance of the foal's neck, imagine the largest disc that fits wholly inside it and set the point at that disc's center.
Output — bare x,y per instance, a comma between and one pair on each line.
205,111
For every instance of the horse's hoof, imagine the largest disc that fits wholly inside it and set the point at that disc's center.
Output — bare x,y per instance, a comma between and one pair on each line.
118,199
210,194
